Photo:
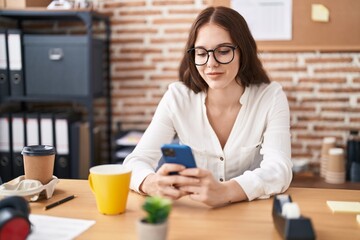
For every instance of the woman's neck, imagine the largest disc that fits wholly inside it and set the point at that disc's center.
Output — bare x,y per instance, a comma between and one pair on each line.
224,98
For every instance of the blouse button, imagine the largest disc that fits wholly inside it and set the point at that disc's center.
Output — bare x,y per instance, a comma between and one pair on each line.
221,180
221,159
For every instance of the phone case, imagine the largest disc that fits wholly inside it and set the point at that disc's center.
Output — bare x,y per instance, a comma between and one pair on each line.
180,154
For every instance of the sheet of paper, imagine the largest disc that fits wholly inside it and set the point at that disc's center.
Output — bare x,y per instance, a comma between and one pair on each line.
319,13
344,207
130,139
57,228
267,19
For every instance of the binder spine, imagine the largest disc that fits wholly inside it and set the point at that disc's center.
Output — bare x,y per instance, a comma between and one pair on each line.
15,50
5,148
4,63
32,129
18,142
62,162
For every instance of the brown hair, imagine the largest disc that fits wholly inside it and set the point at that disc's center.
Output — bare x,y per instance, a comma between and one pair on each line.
251,70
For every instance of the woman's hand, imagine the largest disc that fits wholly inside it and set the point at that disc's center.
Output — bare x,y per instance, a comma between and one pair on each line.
162,183
209,191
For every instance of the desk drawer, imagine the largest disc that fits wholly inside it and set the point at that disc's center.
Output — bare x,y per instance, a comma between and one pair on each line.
57,65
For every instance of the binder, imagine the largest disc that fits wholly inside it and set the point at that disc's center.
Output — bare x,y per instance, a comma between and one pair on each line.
75,149
65,143
4,74
84,151
62,140
5,148
80,150
46,129
14,40
32,129
18,142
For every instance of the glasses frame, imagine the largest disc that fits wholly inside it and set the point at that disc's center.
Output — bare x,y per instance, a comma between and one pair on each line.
233,48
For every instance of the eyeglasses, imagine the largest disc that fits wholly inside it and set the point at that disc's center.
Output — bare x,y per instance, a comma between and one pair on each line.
222,54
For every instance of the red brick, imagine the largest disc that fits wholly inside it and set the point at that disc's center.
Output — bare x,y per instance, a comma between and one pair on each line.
322,80
286,69
135,68
136,31
129,50
172,2
140,12
338,70
124,22
302,109
326,99
339,90
329,60
113,5
173,21
321,118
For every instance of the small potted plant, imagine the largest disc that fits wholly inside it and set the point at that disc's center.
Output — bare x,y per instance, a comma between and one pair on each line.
154,225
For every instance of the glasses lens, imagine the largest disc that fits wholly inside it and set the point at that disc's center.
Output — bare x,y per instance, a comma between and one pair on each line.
224,54
200,56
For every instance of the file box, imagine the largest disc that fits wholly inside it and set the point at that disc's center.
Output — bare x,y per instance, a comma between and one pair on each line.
60,65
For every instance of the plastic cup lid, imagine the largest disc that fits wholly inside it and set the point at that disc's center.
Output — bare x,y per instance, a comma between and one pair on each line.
336,151
38,150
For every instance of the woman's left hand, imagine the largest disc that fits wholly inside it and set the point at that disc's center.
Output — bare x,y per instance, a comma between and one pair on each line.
209,191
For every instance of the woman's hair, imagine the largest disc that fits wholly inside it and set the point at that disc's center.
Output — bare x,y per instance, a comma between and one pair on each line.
251,70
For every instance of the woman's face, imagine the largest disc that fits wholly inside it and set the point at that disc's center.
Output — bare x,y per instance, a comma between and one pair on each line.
215,74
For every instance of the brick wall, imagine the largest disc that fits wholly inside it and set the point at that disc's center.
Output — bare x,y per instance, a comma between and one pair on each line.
148,37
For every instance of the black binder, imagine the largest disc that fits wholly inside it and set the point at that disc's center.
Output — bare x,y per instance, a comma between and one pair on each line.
5,148
65,144
18,142
75,149
16,67
4,63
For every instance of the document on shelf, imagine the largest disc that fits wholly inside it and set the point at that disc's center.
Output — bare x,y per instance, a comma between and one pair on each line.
130,139
57,228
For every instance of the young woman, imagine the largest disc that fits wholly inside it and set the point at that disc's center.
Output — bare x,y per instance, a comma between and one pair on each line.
226,109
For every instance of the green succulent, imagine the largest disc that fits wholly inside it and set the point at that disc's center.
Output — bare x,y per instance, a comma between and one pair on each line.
157,209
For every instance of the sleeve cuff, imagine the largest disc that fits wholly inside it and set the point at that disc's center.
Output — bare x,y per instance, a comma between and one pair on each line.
138,178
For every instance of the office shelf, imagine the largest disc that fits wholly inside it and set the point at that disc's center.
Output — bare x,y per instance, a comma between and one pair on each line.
64,19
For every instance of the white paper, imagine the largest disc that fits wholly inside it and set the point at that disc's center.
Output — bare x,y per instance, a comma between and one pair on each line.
57,228
130,139
267,19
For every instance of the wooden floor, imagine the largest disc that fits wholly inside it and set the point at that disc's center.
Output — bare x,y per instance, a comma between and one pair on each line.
314,181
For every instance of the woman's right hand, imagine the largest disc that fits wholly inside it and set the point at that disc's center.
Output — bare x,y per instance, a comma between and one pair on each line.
163,184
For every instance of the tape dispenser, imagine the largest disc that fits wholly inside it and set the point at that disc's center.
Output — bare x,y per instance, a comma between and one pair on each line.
288,220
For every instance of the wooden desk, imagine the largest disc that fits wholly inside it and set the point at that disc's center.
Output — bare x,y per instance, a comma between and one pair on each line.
191,220
312,180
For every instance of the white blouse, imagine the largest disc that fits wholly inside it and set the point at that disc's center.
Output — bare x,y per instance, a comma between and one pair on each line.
257,153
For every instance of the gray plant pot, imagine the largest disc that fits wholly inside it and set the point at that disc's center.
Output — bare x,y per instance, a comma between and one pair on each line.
149,231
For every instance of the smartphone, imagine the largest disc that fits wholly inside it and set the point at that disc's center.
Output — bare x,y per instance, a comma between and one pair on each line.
180,154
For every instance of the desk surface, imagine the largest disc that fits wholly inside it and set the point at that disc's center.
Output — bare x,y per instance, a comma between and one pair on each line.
191,220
